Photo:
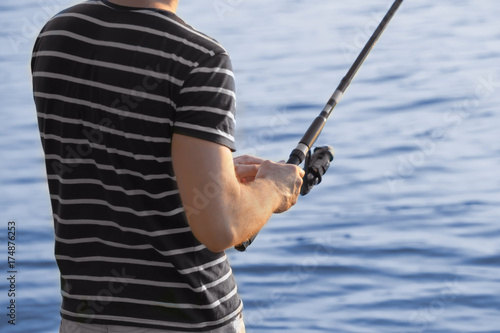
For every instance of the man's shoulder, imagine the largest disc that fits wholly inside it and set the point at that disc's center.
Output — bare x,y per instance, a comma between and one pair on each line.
192,34
157,22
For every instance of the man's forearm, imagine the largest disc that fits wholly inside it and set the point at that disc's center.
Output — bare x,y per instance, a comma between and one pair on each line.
233,215
221,210
258,200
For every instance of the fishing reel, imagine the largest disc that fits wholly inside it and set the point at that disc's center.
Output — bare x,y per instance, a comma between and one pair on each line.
315,166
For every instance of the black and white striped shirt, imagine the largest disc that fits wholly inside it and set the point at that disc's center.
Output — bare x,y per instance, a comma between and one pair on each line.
111,86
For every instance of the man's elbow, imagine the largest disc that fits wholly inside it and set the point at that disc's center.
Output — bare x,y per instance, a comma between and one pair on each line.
217,247
216,239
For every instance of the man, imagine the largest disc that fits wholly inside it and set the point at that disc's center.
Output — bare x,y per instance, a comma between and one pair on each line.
136,116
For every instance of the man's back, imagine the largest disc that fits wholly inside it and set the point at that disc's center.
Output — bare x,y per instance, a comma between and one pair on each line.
111,87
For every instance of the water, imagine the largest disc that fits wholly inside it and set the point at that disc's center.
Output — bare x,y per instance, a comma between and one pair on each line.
401,236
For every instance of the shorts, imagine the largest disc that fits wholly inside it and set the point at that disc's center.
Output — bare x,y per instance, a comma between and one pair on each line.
67,326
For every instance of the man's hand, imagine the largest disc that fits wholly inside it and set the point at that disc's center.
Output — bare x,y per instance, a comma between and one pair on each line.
246,167
288,181
222,210
287,178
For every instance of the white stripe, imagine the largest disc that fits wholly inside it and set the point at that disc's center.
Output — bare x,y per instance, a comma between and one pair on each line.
213,70
203,267
205,129
219,281
104,108
116,208
209,89
159,233
71,161
94,84
104,128
226,113
103,147
154,322
104,64
130,247
138,28
112,188
131,281
122,46
116,260
186,271
159,284
105,299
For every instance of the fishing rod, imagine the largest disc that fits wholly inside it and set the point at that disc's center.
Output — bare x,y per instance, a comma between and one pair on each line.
317,164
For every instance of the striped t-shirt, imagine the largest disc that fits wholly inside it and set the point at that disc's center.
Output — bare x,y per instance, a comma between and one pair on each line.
112,85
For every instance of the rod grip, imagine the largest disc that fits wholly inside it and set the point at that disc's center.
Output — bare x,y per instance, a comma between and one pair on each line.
313,131
296,157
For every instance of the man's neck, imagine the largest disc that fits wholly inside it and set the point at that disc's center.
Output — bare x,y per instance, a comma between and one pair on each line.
169,5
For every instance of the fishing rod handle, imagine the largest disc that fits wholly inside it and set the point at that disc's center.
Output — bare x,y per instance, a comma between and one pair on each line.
296,157
299,154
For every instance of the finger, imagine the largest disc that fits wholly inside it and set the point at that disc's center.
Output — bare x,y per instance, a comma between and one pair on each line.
246,170
248,159
302,172
247,180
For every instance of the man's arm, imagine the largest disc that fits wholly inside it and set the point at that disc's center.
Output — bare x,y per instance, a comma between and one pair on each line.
221,210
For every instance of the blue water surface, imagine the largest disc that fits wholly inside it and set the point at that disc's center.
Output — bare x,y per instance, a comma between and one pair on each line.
401,236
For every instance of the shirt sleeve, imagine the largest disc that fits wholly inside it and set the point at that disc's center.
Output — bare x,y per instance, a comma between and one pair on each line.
207,102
